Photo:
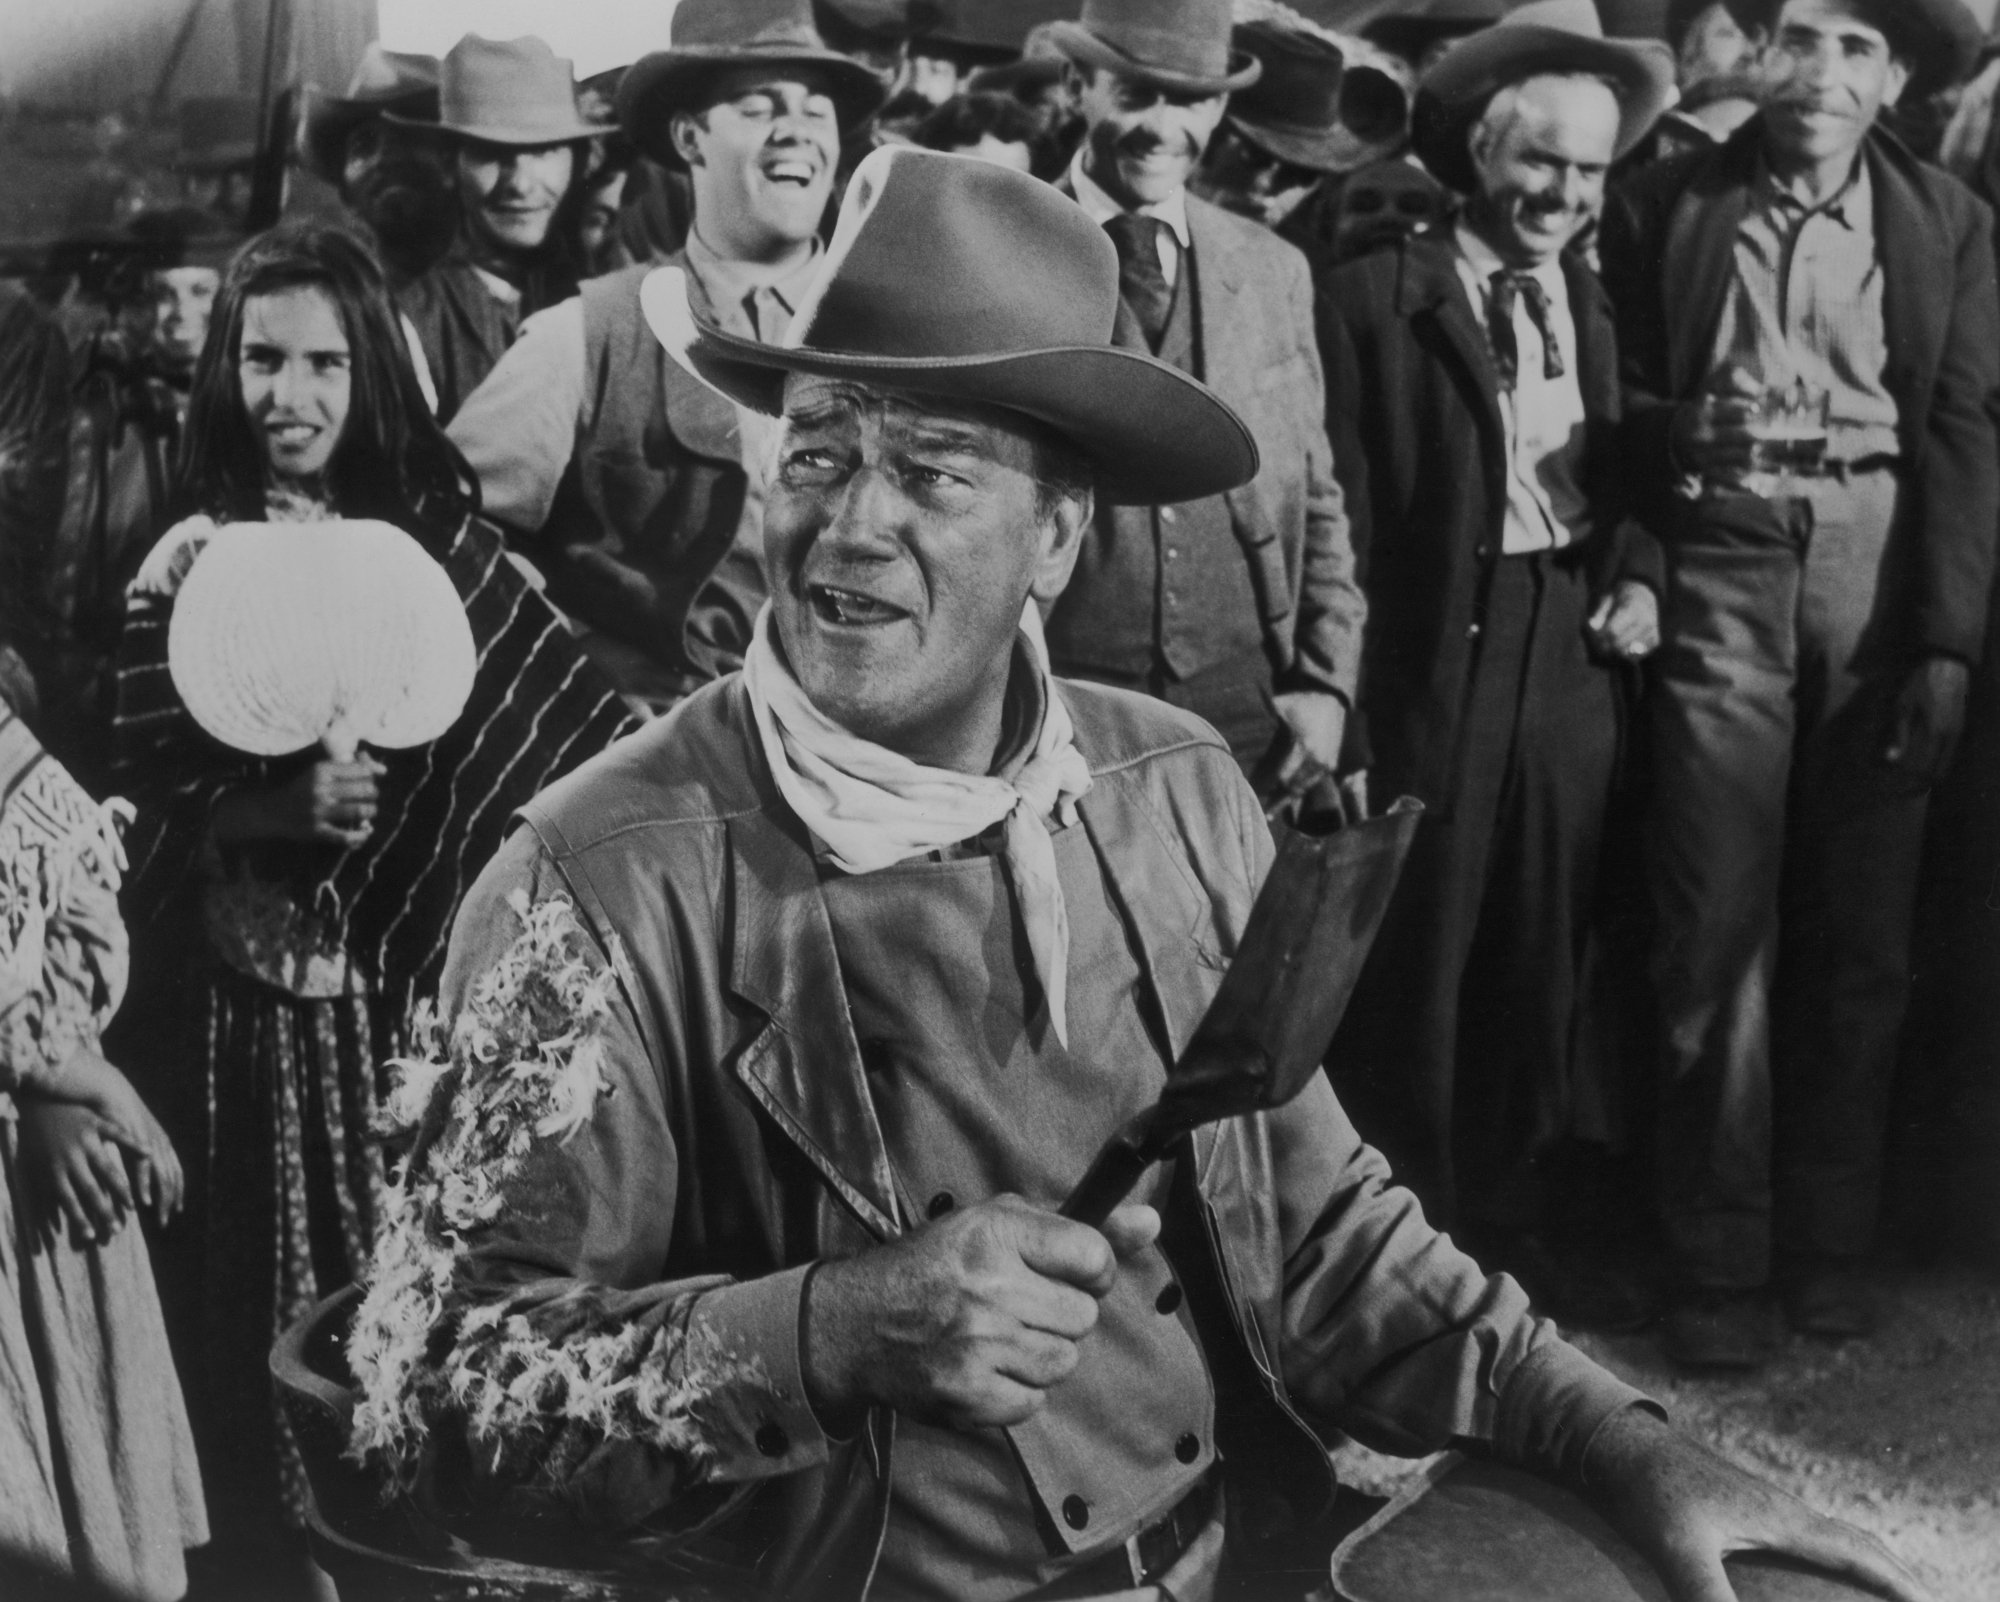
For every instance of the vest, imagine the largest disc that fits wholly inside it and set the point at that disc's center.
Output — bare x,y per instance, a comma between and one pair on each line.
651,499
1160,588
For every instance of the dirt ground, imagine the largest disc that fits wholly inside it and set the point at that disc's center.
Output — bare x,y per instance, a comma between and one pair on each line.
1900,1435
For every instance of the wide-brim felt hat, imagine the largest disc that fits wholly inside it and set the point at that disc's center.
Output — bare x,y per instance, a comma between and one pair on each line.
1542,36
954,278
1183,46
1301,109
1941,38
713,36
1409,33
514,92
386,81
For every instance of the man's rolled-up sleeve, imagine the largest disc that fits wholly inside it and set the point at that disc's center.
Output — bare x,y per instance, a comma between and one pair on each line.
518,428
1394,1336
519,1305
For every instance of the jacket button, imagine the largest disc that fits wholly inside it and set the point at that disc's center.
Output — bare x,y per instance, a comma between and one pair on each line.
1472,631
1482,551
1076,1512
771,1440
1188,1447
940,1204
1169,1300
1166,514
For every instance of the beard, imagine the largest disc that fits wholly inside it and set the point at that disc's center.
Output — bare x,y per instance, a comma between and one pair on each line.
411,211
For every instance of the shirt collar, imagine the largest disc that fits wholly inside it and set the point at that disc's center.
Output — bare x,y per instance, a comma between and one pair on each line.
1102,208
728,281
1852,207
1485,262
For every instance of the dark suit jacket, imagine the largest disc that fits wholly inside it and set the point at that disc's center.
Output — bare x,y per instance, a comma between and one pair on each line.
1668,247
1413,408
1258,355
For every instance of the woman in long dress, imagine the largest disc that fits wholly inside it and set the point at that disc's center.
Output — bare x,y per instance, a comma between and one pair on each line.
99,1492
323,890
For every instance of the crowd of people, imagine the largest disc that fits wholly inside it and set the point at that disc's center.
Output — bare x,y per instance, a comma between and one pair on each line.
1594,437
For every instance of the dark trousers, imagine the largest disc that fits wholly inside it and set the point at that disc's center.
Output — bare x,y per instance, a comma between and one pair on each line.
1784,870
1456,1055
1233,697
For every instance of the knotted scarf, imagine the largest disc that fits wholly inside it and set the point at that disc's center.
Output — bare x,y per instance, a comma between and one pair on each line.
872,807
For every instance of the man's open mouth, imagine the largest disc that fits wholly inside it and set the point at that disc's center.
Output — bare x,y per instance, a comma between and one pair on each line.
850,608
790,170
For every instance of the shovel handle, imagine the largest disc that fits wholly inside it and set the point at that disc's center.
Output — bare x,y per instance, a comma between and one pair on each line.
1119,1166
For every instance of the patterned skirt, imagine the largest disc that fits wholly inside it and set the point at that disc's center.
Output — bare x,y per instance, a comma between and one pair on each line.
292,1178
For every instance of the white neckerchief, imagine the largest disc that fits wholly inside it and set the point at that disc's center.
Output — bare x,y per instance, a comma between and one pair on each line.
872,807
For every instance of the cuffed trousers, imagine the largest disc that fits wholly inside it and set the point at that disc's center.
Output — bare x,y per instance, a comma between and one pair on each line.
1784,869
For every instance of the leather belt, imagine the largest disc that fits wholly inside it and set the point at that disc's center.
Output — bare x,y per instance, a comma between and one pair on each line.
1144,1557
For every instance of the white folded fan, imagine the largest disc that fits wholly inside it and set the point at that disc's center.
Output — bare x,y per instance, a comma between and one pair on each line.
337,633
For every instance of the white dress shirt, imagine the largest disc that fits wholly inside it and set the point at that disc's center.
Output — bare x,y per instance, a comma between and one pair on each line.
1542,416
1172,211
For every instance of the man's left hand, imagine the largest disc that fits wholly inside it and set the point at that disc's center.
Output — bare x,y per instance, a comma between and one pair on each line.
1927,720
1686,1509
1625,625
1317,722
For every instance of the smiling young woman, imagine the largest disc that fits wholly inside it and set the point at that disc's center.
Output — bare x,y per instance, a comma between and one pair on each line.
303,901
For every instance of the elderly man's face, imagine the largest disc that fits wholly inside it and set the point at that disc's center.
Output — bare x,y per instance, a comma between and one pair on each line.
1714,45
1144,141
762,157
902,538
1541,152
1828,74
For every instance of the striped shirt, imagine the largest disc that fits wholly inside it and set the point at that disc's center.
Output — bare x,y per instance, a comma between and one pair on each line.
1806,303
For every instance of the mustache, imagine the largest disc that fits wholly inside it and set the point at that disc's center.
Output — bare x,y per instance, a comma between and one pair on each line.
1143,142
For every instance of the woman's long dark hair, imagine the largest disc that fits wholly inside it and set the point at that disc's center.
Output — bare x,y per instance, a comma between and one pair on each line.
392,461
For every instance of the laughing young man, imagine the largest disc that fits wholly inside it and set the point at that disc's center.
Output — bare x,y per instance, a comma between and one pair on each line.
619,476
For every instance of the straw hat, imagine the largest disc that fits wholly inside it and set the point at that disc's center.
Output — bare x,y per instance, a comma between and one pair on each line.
386,80
288,635
515,92
952,277
1538,37
1179,45
712,36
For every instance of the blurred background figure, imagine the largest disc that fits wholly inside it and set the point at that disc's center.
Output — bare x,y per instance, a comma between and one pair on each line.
993,127
128,410
1422,30
517,148
390,175
1715,47
1035,78
300,904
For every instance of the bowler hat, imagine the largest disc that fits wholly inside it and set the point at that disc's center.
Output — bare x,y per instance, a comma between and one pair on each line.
1177,45
1941,39
515,92
1541,36
954,278
1313,106
386,80
712,36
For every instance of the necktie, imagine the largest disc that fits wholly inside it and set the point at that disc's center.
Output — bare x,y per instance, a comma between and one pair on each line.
1140,279
1510,287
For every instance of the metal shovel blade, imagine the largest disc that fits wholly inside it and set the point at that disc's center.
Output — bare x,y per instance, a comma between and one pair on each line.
1268,1029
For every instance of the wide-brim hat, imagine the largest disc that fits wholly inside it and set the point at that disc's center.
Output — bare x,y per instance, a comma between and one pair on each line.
969,282
515,92
1941,38
1039,67
386,81
1179,45
1542,36
713,36
1410,32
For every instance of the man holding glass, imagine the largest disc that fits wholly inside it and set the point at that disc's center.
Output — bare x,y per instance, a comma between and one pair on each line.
1825,603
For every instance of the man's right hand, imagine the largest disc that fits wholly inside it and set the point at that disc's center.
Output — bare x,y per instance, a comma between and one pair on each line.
967,1322
1711,433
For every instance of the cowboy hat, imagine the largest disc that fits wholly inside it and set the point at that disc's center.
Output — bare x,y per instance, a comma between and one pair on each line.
1314,107
712,36
1541,36
515,92
386,80
954,278
1178,45
1941,39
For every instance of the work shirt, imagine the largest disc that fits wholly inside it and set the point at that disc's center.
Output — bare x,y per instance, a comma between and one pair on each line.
518,430
1542,417
1806,303
1172,243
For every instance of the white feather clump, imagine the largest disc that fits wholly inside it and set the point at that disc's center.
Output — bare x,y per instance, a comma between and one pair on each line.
287,635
